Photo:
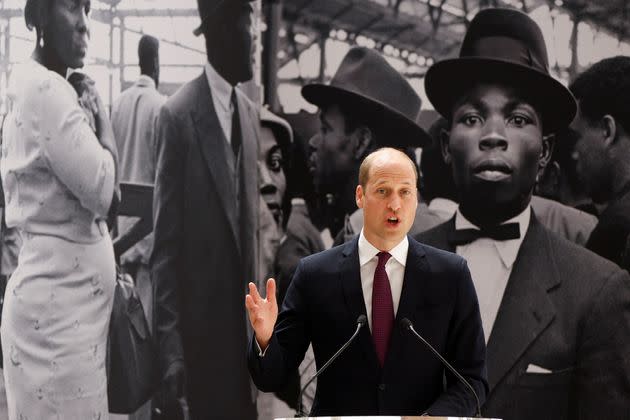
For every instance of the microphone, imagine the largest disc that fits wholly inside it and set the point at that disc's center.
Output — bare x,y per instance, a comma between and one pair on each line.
361,321
408,325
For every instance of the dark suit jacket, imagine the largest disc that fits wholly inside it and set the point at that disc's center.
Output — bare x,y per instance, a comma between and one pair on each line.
322,305
302,239
566,310
204,250
611,236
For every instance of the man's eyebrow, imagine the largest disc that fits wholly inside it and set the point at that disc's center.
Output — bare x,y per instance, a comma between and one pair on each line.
516,102
471,101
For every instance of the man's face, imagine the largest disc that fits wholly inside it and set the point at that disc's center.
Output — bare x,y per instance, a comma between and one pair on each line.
331,157
273,183
230,33
67,31
389,200
496,148
591,157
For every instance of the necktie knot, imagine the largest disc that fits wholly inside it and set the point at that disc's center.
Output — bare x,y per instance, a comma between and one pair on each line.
383,257
503,232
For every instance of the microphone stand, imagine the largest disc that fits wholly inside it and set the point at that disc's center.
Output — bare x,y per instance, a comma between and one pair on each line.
360,323
408,325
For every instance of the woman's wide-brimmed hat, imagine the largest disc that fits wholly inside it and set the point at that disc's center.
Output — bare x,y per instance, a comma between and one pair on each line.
507,46
365,81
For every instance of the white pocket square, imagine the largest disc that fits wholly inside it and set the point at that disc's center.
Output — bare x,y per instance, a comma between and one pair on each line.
532,368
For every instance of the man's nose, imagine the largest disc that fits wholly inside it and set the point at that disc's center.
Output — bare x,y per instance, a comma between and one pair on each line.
394,203
83,22
494,134
266,183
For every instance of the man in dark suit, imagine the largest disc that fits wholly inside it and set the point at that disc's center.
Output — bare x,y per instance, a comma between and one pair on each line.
556,316
388,277
205,211
603,152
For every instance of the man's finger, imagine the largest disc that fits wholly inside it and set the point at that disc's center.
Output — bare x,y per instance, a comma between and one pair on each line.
249,303
253,291
271,291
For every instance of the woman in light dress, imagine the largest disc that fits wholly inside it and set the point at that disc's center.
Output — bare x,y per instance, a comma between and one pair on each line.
59,182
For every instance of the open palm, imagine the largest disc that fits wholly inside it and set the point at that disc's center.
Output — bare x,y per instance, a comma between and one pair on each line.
263,313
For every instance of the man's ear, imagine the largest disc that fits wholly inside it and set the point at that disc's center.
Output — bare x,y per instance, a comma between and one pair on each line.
444,145
548,144
363,137
359,195
609,125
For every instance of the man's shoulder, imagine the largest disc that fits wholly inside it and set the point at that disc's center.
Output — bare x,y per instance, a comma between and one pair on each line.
579,255
324,258
184,99
438,259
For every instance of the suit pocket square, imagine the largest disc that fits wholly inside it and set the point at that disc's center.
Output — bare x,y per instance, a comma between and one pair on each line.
532,368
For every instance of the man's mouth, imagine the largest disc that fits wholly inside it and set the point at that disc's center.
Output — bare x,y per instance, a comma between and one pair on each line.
393,221
493,171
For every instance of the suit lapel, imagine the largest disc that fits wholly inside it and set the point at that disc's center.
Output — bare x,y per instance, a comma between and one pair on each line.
350,277
212,145
525,309
248,177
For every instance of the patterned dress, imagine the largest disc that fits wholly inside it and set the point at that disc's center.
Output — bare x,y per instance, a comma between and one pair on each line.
58,182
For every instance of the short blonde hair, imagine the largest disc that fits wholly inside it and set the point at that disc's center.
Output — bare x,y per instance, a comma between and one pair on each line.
366,165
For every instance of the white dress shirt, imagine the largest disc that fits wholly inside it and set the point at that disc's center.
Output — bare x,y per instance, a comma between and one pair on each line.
221,92
395,269
490,263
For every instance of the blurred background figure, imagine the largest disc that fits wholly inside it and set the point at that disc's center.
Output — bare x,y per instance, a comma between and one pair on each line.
602,152
134,120
560,181
59,180
274,157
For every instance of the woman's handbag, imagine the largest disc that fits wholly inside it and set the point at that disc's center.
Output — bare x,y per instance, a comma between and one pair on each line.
131,353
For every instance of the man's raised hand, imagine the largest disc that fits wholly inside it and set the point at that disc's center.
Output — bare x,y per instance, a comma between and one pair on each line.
262,312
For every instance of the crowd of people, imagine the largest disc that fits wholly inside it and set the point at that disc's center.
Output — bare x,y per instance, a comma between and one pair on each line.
500,234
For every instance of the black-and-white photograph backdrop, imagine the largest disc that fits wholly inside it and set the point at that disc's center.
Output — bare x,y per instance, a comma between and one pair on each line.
267,209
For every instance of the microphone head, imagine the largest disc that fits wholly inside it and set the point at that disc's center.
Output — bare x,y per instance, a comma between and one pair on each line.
361,320
406,323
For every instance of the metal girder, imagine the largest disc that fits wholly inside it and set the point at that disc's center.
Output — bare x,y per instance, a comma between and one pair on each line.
435,14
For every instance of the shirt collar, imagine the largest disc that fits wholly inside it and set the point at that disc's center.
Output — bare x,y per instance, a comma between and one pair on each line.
507,250
220,88
367,251
146,81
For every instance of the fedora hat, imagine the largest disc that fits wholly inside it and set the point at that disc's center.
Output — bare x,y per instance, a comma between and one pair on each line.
502,45
367,82
207,9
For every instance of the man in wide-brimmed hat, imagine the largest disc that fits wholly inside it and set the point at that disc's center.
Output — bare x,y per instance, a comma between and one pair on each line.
555,316
368,104
206,214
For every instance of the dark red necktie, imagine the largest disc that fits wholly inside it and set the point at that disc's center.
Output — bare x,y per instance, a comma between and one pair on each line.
382,308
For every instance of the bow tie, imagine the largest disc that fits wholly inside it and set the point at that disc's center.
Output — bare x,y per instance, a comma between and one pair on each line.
498,233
